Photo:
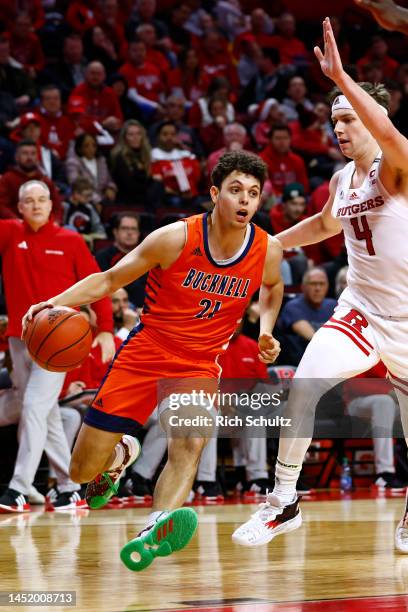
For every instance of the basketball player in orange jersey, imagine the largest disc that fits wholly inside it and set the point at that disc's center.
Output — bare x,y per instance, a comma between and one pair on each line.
203,271
369,202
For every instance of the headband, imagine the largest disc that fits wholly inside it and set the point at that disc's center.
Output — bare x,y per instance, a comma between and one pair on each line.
341,103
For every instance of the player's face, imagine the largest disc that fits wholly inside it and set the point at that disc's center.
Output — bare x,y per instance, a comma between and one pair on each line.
353,136
35,206
238,198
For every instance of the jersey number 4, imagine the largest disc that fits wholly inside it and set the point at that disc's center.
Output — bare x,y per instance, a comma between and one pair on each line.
364,233
208,309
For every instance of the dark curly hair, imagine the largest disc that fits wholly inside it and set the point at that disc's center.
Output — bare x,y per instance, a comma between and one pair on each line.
241,161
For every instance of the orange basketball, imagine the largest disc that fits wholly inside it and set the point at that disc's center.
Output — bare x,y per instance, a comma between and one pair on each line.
58,339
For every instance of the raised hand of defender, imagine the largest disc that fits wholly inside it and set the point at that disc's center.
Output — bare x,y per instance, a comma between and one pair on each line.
31,312
330,61
269,348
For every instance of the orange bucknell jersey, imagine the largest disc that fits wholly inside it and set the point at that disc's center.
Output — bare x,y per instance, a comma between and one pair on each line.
196,304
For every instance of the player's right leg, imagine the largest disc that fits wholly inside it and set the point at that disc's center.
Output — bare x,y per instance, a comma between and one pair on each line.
337,351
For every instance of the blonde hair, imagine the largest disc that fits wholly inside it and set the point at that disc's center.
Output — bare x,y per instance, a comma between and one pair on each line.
140,158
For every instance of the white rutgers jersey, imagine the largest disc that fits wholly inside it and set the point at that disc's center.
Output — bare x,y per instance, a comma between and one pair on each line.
375,227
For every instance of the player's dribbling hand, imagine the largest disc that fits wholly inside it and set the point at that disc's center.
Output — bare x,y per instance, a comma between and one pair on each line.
31,312
330,62
269,348
107,344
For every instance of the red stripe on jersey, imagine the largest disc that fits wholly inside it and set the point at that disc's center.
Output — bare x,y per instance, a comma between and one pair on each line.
352,329
347,333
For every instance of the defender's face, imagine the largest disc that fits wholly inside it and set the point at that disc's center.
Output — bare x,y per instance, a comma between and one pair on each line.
351,133
238,198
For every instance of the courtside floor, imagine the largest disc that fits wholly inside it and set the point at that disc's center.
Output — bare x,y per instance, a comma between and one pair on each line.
342,559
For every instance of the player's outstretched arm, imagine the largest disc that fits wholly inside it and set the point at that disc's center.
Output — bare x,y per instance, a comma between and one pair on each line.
313,229
160,248
392,143
389,15
270,301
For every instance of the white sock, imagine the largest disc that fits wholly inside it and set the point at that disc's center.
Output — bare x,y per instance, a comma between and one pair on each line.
153,516
119,456
286,477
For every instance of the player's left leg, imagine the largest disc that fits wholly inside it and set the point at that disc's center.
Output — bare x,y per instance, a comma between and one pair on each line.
336,351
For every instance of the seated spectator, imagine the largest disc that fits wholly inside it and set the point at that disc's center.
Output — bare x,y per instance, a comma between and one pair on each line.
291,211
27,168
174,110
261,28
57,129
79,213
69,71
371,396
25,46
100,48
378,52
249,58
235,137
30,128
269,113
126,233
85,161
179,170
199,114
284,166
302,316
13,79
130,108
110,20
267,83
212,135
188,79
214,58
144,11
99,100
154,55
295,95
311,140
124,317
130,162
145,81
292,50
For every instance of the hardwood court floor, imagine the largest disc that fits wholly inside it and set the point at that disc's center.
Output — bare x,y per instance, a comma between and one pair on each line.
344,550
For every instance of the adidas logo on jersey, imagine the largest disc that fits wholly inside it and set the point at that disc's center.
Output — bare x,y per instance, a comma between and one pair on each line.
197,252
98,402
354,196
22,245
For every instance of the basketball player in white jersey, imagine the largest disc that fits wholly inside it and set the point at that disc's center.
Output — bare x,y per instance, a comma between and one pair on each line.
369,202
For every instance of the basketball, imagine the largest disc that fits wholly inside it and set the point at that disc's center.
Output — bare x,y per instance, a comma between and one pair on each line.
58,339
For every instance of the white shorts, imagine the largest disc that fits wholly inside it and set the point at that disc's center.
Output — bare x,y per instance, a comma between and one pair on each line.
352,341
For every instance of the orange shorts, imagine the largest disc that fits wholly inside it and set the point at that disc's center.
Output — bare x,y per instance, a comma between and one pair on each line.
142,374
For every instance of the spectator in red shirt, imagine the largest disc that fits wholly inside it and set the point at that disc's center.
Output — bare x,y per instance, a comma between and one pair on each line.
100,102
57,128
25,46
188,79
199,115
33,250
292,50
284,166
179,170
269,114
261,30
295,95
145,80
235,136
155,56
26,169
332,247
212,135
378,52
214,58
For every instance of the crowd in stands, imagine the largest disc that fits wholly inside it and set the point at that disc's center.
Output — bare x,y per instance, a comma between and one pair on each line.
123,108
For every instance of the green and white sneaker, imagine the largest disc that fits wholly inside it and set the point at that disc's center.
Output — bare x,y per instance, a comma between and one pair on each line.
105,485
172,531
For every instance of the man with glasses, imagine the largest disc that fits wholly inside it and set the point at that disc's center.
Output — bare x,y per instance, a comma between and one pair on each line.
126,233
